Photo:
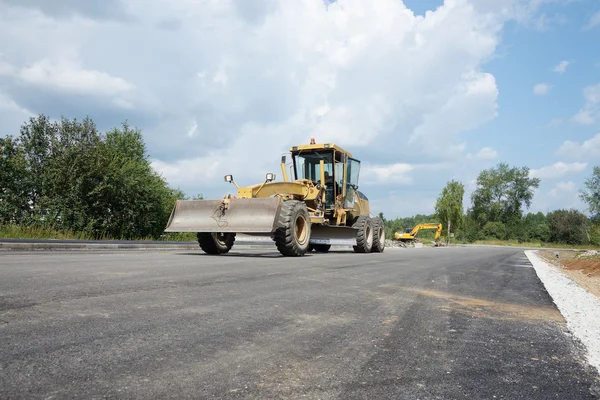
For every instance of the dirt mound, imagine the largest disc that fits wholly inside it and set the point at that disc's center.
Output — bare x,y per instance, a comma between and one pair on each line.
583,267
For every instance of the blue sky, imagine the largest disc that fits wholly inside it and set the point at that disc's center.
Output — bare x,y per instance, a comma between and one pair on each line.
420,97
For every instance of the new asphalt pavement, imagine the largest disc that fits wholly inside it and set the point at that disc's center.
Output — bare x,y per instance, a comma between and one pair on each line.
428,323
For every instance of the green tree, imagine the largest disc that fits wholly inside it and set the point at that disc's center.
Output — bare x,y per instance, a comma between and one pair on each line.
36,138
534,227
449,206
501,194
13,182
568,226
591,196
68,175
494,230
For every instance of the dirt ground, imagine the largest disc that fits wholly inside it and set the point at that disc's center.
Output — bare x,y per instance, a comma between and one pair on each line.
583,267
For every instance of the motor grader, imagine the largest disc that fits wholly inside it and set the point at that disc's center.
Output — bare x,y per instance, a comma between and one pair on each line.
318,205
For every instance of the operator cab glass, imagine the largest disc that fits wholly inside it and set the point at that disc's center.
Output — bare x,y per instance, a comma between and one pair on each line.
352,172
307,165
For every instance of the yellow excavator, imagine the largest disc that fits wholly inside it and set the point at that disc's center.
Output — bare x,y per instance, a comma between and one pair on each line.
409,236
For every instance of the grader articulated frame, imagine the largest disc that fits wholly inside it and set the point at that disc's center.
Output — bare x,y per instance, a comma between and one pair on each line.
321,206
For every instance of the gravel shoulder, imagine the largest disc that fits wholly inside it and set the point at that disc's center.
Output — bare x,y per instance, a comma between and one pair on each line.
580,307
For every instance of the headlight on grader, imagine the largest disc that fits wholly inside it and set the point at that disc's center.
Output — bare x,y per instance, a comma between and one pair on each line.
270,177
229,178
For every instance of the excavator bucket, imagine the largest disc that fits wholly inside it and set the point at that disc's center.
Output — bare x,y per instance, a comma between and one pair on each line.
224,216
334,235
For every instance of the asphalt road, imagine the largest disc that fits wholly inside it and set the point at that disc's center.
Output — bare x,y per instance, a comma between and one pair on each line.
431,323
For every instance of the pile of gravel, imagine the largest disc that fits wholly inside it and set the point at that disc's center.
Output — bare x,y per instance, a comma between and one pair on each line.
589,253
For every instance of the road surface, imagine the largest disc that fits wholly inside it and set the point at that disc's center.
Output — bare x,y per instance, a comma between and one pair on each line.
431,323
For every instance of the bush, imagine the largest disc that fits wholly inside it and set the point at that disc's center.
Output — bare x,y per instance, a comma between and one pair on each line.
494,230
568,226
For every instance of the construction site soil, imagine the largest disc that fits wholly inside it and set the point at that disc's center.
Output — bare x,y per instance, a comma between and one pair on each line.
581,266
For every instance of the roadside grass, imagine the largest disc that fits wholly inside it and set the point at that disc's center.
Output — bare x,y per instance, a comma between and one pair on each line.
47,232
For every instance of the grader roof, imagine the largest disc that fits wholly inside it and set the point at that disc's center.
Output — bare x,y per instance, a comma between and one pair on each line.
320,146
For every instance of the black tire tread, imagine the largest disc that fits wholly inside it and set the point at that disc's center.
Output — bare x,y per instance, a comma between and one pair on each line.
321,248
361,239
377,247
285,232
210,246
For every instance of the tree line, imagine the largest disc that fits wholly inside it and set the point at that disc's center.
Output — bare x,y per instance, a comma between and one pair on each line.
68,175
497,211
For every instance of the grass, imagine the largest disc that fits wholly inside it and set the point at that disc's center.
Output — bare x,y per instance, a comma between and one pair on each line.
46,232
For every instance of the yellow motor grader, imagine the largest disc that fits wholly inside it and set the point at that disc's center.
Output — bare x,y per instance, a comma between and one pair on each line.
318,207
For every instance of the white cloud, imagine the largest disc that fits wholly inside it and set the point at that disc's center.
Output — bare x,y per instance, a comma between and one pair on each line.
66,75
558,170
562,195
594,21
563,187
257,80
591,110
589,149
486,153
395,173
193,129
541,89
561,67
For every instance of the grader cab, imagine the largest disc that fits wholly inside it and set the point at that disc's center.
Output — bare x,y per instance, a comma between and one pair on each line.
316,206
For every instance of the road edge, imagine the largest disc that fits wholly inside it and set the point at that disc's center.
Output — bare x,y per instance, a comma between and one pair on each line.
580,308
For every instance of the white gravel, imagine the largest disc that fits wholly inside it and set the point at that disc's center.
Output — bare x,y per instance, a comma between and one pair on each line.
580,308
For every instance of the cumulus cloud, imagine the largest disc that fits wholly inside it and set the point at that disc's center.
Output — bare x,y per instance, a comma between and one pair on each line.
564,195
591,110
589,149
395,173
563,187
66,76
222,87
105,9
558,170
561,67
541,89
485,154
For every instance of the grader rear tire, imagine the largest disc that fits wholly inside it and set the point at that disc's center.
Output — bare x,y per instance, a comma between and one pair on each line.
215,243
321,248
378,236
292,235
364,236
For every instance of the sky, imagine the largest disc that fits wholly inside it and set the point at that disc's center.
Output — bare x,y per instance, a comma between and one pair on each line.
420,91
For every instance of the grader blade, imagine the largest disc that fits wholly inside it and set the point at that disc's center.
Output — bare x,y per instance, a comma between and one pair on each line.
223,216
333,235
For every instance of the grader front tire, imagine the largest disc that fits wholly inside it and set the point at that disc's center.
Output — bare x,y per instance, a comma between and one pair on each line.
292,235
322,248
215,243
